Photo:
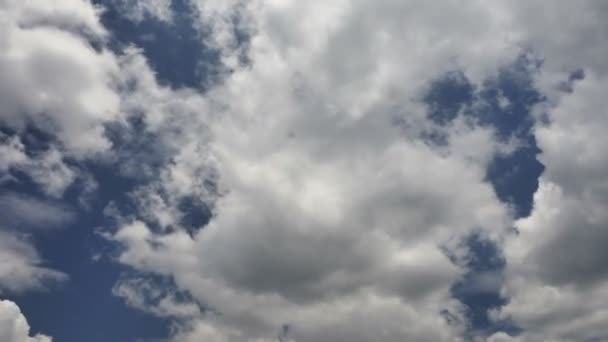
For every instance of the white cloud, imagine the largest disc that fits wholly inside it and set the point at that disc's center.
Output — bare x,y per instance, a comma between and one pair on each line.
78,16
503,337
14,326
54,79
333,213
47,169
21,268
12,152
569,35
50,172
558,275
52,76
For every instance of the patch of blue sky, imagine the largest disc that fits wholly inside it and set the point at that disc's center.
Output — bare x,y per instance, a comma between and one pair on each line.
505,104
174,49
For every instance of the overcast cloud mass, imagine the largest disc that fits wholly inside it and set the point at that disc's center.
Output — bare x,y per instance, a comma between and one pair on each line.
303,171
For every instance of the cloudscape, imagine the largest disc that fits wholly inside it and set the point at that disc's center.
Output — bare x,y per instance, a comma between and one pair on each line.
303,171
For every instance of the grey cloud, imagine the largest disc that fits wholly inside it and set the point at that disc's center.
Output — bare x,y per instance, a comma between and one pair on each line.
138,10
21,268
329,218
157,299
556,266
74,106
23,212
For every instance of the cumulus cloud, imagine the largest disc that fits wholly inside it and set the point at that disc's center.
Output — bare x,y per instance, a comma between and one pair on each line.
329,211
330,215
40,41
326,214
58,82
558,259
14,326
557,275
502,337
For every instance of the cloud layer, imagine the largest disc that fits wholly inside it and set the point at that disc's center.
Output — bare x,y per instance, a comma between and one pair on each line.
332,219
308,193
319,169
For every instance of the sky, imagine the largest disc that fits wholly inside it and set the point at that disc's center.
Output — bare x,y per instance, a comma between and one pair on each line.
303,171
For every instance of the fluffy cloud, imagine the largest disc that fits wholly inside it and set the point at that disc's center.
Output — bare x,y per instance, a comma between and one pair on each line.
557,262
502,337
14,326
47,169
56,85
557,279
40,41
24,212
331,217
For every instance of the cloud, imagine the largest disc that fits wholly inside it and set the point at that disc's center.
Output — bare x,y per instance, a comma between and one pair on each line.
157,299
39,42
24,212
502,337
58,87
557,275
567,36
14,326
138,10
329,213
47,168
331,217
78,16
21,268
558,259
12,152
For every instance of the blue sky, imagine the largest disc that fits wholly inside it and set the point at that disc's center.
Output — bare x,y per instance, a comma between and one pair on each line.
187,170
